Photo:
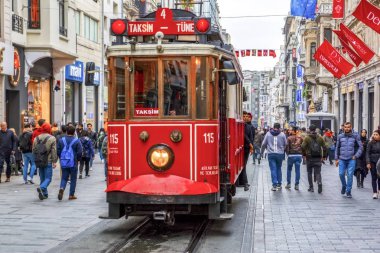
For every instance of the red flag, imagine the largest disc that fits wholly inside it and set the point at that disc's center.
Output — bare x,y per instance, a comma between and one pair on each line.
259,52
360,47
242,52
253,52
330,66
338,9
237,53
334,56
368,14
248,52
272,53
265,52
347,49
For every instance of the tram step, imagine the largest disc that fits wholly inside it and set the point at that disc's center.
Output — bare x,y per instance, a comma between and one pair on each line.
106,217
225,216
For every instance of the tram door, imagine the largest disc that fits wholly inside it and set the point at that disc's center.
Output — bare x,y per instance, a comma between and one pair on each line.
223,129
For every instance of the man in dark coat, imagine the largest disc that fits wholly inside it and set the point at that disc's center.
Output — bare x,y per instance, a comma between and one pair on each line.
7,147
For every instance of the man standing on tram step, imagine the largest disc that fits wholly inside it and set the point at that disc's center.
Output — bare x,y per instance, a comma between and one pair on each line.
45,157
87,154
94,137
7,148
248,149
294,152
348,148
275,143
25,142
69,150
314,150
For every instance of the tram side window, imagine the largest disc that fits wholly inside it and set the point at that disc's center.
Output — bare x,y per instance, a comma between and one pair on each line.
201,87
120,88
176,87
145,87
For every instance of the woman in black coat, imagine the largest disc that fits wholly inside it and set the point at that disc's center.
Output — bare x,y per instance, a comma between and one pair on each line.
372,156
361,165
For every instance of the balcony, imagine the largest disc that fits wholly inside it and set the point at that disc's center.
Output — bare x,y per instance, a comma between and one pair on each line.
17,24
63,31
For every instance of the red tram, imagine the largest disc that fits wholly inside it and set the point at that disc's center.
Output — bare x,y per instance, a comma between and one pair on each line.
175,129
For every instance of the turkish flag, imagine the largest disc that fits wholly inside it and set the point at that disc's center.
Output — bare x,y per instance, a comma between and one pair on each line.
368,14
237,53
334,56
329,65
357,44
272,53
347,49
259,52
253,52
338,9
248,52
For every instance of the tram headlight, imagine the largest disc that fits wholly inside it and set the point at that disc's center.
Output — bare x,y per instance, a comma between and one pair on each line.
160,157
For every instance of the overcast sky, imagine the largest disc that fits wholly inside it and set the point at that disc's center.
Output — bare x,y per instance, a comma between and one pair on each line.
255,33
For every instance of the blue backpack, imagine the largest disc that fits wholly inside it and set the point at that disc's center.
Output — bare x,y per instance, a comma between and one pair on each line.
67,155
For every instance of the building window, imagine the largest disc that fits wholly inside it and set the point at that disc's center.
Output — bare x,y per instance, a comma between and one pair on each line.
327,34
77,22
34,14
313,47
62,28
90,29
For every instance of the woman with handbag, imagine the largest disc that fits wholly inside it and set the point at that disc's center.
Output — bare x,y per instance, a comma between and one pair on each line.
372,157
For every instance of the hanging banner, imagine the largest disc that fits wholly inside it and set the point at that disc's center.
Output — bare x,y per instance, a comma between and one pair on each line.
342,64
338,9
322,56
242,52
360,47
368,14
347,49
303,8
256,52
272,53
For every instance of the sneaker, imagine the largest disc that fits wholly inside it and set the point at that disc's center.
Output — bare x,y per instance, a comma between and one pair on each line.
88,175
288,186
26,182
374,196
80,176
246,187
60,194
279,187
31,181
348,195
319,188
7,180
310,189
274,188
343,191
40,194
91,169
296,187
72,197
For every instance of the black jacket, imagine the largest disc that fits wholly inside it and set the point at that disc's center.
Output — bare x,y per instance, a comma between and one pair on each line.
28,137
373,151
7,142
248,136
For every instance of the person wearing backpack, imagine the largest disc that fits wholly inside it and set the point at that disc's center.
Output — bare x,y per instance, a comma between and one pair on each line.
315,151
294,152
45,157
25,143
69,151
348,148
87,154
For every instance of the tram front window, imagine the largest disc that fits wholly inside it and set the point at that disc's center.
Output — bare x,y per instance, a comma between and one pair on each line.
145,88
176,87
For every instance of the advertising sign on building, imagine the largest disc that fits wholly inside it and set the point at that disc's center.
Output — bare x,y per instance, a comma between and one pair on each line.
74,72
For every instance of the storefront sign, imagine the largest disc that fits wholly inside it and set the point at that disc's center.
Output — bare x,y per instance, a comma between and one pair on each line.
74,72
97,76
15,77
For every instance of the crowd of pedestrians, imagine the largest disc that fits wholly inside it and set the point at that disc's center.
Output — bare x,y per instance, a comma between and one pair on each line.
43,147
355,154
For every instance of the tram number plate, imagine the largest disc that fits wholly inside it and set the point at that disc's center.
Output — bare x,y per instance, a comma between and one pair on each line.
209,138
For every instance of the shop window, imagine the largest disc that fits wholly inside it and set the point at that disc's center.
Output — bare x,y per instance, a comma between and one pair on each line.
176,87
120,88
34,13
69,102
201,87
39,100
145,88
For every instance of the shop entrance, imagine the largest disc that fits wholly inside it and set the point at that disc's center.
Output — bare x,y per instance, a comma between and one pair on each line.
13,116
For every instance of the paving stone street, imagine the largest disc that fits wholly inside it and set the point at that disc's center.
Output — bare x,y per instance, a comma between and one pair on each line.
264,221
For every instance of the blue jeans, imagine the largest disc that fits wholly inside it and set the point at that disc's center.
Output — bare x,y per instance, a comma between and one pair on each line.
349,166
72,173
45,177
275,163
28,158
296,160
100,153
105,167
